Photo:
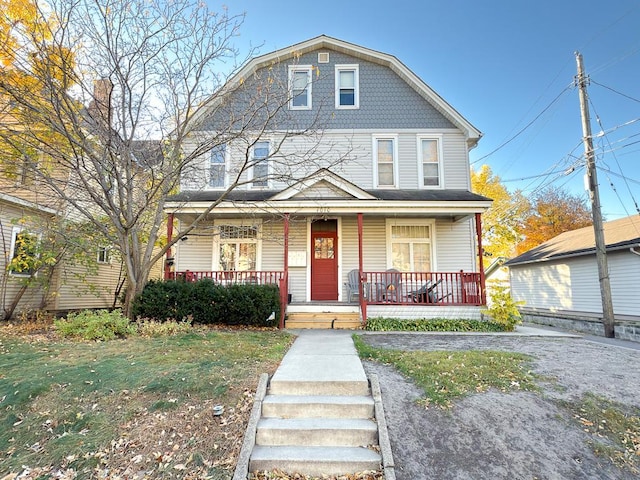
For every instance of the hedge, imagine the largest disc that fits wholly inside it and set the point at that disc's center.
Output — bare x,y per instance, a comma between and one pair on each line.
207,302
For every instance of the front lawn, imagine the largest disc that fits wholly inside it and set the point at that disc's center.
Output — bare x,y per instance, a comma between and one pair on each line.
448,375
134,408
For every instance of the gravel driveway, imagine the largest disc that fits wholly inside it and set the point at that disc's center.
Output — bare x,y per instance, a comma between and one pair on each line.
494,435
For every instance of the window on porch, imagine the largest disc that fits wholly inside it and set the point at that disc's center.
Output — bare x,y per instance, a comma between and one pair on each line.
238,247
410,246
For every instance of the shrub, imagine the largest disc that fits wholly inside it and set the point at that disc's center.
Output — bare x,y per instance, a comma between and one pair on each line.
152,328
207,302
380,324
503,309
95,325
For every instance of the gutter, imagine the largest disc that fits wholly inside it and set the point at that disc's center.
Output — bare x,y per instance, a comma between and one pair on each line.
632,249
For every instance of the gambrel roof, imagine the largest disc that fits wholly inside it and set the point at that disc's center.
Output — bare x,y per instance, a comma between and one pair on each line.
325,42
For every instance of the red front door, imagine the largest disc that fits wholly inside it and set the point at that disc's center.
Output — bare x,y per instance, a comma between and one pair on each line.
324,265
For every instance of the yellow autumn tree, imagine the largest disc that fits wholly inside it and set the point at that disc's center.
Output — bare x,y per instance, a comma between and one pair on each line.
33,67
502,223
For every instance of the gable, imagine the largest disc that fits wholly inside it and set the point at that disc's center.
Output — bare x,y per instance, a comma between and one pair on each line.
323,184
323,190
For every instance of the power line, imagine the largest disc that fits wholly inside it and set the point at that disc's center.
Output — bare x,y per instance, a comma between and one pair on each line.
606,137
616,174
615,91
521,131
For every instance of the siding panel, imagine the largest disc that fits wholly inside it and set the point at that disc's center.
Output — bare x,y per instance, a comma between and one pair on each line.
455,246
573,284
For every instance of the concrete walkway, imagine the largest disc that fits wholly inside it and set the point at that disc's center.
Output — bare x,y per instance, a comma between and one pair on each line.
326,356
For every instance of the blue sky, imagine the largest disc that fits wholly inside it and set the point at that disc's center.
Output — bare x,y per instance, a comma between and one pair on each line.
501,64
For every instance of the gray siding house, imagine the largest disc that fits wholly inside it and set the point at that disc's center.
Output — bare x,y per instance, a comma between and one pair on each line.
353,195
558,279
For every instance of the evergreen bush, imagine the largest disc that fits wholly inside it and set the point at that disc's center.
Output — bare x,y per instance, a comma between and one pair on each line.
206,302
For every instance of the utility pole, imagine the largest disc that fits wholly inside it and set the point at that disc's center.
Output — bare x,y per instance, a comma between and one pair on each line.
594,195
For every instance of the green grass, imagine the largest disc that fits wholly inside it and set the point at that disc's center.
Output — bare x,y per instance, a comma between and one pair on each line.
63,400
381,324
615,429
445,376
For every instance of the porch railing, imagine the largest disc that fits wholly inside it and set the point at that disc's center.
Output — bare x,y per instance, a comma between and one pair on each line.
231,277
426,288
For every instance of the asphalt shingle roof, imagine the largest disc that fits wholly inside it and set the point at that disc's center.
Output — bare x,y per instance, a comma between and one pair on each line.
390,195
618,234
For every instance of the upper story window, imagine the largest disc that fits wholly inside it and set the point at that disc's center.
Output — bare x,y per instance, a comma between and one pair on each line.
260,161
103,255
385,155
429,163
347,86
217,167
23,252
300,87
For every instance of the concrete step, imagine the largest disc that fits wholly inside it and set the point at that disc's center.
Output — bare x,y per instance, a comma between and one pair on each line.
343,432
318,406
329,387
314,461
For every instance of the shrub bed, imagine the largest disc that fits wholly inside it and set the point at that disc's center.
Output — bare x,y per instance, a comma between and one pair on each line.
206,302
380,324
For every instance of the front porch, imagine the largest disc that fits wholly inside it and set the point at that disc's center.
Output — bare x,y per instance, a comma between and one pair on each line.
328,244
388,293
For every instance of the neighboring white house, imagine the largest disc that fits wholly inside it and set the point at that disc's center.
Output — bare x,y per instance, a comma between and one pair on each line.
559,281
388,188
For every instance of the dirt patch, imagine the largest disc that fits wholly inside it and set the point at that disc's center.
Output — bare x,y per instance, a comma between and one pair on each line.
512,436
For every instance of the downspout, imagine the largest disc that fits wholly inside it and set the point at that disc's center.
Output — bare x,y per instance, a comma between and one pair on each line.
483,292
363,301
284,283
167,261
633,250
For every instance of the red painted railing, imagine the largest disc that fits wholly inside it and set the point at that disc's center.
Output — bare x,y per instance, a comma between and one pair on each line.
426,288
231,277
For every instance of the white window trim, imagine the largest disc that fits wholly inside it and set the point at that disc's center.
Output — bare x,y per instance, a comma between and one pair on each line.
393,222
438,139
215,264
374,149
268,160
107,250
14,235
308,69
356,82
225,166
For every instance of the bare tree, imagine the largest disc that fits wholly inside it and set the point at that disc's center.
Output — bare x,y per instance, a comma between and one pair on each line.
124,97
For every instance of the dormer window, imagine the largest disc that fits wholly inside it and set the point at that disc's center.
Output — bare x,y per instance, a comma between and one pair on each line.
300,87
347,87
